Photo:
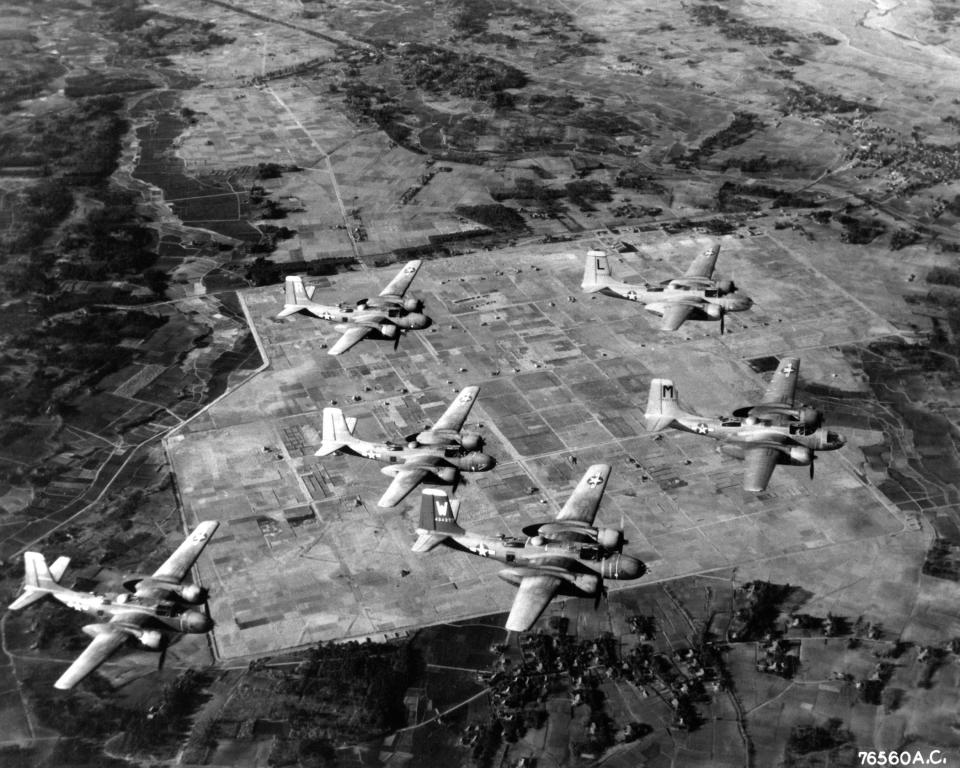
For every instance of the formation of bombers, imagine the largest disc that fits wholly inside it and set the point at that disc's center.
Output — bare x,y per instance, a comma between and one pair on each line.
566,555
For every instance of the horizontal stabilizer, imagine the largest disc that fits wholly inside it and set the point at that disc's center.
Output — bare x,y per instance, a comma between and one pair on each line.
427,541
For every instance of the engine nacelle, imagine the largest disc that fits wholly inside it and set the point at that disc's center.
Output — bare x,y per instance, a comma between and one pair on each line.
475,461
150,638
412,305
446,474
622,567
145,585
470,441
713,311
587,583
733,449
609,538
811,418
387,330
725,286
798,456
195,622
191,593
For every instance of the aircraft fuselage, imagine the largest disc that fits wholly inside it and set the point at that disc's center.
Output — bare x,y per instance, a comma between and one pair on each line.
162,613
749,430
693,290
541,554
373,314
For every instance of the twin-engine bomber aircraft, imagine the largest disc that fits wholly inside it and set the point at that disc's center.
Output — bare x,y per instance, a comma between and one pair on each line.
439,451
567,555
385,317
773,432
156,603
696,295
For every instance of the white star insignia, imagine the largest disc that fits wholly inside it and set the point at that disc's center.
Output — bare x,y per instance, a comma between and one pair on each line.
632,296
788,370
594,481
464,398
702,429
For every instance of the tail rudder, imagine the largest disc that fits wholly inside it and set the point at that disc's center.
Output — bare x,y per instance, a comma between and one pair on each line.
662,405
39,579
596,271
295,295
337,431
438,519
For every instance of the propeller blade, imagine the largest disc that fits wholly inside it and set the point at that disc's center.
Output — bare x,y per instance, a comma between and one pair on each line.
722,316
396,340
601,595
811,467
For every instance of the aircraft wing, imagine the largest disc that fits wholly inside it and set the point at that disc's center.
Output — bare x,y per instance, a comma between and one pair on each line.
403,482
759,462
533,596
703,264
99,650
784,382
398,286
350,337
674,313
181,561
583,502
458,410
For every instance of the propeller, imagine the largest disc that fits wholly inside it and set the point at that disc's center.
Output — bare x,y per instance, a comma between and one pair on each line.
812,462
722,316
396,339
600,596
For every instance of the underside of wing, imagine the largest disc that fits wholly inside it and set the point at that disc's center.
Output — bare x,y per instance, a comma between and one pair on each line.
703,264
533,596
674,313
398,286
458,410
181,561
783,385
350,337
583,502
759,463
403,482
99,650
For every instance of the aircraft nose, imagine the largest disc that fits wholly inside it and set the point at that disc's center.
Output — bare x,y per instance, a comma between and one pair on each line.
626,567
421,321
198,622
745,302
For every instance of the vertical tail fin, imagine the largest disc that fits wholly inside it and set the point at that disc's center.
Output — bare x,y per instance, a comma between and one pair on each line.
662,405
596,271
438,519
295,295
38,579
337,431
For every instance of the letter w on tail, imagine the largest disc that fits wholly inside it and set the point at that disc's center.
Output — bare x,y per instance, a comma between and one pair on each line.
438,519
38,579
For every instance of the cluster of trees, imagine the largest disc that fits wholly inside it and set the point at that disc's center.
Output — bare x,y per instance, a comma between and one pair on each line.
739,130
738,29
461,74
366,680
493,215
756,618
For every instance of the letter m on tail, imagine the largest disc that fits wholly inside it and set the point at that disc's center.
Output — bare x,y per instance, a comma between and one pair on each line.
662,405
